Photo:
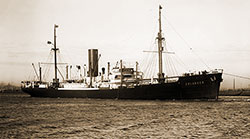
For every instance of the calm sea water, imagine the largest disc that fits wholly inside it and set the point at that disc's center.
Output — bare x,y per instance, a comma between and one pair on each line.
24,117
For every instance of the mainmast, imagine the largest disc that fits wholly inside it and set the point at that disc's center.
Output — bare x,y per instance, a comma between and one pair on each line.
160,49
55,81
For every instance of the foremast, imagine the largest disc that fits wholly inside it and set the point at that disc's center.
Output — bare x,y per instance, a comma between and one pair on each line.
160,49
56,80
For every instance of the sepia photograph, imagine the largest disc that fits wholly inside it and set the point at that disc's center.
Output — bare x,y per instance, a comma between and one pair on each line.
124,69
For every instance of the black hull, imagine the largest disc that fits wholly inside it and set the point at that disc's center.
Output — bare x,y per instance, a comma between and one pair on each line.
187,87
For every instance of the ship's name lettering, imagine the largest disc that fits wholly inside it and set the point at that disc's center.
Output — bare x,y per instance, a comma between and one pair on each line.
194,83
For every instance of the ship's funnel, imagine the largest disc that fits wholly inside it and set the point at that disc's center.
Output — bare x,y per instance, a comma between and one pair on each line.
93,62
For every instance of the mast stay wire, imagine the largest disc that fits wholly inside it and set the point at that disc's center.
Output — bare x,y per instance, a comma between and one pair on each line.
47,68
187,44
60,59
173,66
153,63
67,54
169,60
73,72
153,68
166,64
150,58
30,76
238,76
60,74
168,67
178,59
150,65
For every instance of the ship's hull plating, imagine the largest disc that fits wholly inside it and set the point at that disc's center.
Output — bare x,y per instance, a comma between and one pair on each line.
187,87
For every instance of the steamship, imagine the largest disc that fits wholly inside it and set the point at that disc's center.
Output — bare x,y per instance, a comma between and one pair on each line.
122,82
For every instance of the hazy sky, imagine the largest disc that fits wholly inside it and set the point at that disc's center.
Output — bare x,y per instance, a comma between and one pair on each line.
217,30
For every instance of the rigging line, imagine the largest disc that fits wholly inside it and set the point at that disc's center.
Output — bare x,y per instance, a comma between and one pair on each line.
146,71
46,74
182,65
174,68
168,60
169,65
166,66
151,65
67,54
60,59
154,71
30,74
60,73
165,59
172,60
178,58
190,48
151,46
154,66
239,76
148,62
47,69
148,55
48,59
150,72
